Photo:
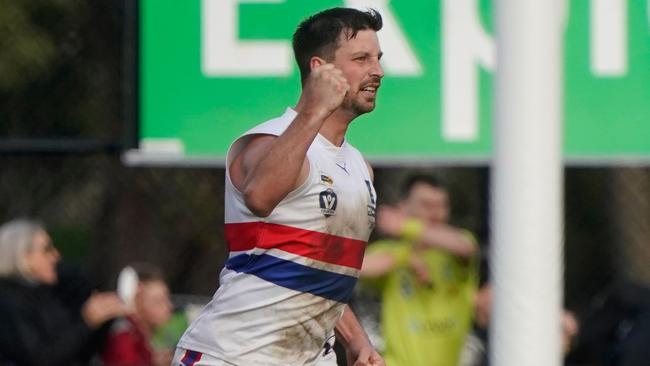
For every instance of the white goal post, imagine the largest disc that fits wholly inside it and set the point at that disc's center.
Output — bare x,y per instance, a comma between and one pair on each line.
526,185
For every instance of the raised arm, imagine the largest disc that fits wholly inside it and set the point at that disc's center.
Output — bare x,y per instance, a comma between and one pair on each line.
254,171
394,222
448,238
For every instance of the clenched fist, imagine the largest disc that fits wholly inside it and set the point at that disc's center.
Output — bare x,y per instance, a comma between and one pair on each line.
324,89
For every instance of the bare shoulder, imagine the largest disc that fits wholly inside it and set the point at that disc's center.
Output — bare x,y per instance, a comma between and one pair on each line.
251,150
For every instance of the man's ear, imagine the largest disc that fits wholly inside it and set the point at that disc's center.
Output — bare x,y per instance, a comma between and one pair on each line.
315,62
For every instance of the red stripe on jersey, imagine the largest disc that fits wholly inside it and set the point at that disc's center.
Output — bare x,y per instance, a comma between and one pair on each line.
311,244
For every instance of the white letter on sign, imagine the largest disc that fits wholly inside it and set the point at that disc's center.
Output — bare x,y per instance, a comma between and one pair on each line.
465,47
223,54
399,59
609,37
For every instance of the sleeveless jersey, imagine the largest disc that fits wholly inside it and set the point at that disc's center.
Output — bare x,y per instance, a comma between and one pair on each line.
289,275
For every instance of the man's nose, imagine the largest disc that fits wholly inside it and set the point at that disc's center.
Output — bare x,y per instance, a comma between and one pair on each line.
377,70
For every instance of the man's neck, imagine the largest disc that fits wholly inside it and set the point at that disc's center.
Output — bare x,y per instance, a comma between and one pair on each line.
335,127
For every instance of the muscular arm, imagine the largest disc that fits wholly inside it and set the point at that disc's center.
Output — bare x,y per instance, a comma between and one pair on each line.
254,171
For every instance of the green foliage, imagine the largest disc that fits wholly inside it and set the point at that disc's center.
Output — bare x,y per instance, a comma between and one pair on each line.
60,68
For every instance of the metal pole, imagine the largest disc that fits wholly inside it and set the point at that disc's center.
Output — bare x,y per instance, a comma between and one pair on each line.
526,185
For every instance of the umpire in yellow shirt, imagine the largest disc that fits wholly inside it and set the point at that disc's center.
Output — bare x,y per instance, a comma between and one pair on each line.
428,276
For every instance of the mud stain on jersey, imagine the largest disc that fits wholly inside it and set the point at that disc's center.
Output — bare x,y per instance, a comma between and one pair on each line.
351,220
333,248
313,321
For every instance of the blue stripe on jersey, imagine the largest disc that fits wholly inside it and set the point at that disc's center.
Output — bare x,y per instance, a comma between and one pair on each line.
190,358
295,276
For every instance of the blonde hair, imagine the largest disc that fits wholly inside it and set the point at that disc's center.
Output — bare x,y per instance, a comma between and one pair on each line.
16,240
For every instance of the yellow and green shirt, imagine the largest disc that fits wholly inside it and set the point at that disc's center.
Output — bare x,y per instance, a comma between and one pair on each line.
425,325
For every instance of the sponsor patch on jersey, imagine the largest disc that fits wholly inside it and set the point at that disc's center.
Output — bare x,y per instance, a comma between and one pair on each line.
372,207
327,200
371,216
326,179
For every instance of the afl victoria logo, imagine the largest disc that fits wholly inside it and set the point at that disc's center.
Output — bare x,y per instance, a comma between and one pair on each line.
327,200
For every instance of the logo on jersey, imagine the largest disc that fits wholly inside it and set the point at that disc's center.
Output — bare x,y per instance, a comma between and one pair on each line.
325,179
328,201
328,347
372,207
341,164
371,217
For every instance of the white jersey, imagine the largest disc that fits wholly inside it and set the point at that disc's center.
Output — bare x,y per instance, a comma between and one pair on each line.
289,275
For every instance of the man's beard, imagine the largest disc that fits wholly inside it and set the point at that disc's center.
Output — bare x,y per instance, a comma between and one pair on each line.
357,107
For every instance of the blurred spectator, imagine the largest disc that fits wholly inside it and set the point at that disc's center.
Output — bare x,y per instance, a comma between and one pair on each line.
129,341
615,328
37,327
475,352
427,274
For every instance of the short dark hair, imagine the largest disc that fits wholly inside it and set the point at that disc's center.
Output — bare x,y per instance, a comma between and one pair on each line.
147,272
319,34
413,179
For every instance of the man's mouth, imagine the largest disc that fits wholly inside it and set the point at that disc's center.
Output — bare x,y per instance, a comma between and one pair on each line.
370,88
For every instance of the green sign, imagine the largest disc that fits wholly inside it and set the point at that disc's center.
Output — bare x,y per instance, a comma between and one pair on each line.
211,69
